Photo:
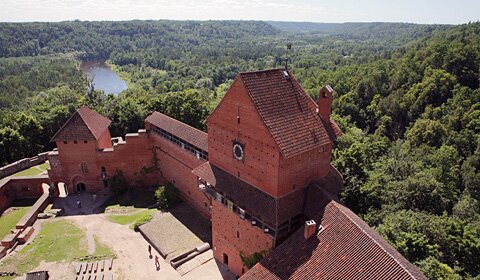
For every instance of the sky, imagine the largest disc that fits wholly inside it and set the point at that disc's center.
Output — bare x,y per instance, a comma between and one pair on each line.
415,11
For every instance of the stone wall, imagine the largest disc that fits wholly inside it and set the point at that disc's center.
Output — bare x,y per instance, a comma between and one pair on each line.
22,164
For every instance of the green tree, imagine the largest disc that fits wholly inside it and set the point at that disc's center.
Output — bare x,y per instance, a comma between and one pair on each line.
471,174
426,131
12,145
434,269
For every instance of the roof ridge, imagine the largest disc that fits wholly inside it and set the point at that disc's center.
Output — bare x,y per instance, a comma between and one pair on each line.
174,119
336,204
262,71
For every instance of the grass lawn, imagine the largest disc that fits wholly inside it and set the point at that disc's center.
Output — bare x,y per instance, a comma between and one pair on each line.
58,240
34,170
9,220
131,218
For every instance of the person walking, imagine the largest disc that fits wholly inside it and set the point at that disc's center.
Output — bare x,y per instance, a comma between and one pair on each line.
149,251
79,204
157,263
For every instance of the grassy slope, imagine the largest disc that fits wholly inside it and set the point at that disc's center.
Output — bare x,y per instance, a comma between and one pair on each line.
130,218
59,240
8,221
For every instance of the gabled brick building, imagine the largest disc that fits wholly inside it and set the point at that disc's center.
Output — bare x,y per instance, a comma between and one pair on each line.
262,171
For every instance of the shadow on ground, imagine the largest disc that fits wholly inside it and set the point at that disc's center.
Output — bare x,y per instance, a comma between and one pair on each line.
192,220
24,202
98,202
140,198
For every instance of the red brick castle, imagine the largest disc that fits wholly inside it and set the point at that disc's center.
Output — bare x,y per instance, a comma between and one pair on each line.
262,175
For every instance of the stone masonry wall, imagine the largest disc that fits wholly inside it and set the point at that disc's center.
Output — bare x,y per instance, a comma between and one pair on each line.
22,164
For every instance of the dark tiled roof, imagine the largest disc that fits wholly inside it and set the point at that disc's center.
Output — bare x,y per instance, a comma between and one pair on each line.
183,131
84,124
347,248
287,110
258,203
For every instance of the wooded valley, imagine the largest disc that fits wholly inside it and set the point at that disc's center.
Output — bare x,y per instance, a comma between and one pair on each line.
407,98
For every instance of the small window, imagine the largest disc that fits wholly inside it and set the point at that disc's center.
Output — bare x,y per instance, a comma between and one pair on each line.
241,212
84,167
75,142
64,142
103,169
238,234
85,141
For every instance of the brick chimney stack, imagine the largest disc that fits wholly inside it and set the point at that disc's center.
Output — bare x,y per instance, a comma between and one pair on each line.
310,229
325,102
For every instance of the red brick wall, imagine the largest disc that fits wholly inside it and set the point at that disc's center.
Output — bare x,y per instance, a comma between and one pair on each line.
136,152
300,170
129,157
6,198
263,166
176,165
225,225
21,187
260,166
28,187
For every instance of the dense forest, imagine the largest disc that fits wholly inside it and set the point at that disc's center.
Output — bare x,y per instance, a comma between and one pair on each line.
406,96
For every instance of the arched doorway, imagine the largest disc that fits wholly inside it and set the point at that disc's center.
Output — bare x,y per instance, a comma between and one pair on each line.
80,187
225,259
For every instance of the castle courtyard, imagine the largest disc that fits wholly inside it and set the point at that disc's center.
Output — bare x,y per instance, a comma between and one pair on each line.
131,259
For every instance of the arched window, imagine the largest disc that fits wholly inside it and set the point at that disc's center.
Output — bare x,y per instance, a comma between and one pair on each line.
84,167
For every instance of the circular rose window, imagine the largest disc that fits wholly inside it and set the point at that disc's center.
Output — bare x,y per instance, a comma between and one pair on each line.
238,151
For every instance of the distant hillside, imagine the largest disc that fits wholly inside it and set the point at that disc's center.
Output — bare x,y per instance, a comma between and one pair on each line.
385,33
291,26
98,39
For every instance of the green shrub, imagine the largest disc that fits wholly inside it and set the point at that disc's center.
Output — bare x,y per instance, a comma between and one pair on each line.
250,261
143,220
167,196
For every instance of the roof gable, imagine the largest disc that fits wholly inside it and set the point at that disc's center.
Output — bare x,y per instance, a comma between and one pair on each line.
287,111
84,124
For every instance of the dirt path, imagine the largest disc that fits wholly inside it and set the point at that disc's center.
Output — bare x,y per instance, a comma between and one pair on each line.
130,247
90,241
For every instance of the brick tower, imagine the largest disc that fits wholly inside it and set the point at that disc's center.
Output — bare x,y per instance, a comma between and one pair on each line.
268,140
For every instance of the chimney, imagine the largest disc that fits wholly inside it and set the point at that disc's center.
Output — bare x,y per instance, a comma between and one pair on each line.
310,228
325,102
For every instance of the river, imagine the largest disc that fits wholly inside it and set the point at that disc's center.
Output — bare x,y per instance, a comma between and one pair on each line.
103,77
